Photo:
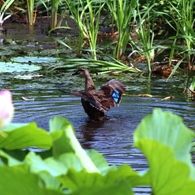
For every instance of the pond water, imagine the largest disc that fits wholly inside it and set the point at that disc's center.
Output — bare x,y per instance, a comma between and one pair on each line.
114,137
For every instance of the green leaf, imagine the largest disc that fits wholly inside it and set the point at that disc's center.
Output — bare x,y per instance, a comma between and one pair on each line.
10,160
121,188
98,159
54,166
17,182
166,143
19,136
68,143
77,181
94,183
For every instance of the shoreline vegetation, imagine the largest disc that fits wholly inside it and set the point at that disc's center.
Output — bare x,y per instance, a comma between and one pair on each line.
159,34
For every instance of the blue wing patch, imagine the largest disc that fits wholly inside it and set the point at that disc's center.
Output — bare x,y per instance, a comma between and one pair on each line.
116,95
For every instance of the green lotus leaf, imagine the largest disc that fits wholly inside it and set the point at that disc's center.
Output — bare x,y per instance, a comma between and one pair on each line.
98,159
68,143
54,166
166,143
21,136
17,181
84,182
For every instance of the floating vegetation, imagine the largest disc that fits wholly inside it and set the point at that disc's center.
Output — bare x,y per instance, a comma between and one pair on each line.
17,67
34,59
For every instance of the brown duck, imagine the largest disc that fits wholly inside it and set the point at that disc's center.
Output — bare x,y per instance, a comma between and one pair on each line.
96,102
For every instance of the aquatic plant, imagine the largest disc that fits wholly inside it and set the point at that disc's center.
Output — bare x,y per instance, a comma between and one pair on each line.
31,14
182,21
6,5
123,13
54,12
63,167
86,14
143,29
101,66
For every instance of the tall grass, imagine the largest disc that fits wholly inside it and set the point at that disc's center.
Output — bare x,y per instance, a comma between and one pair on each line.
86,14
54,13
145,33
123,13
31,14
182,21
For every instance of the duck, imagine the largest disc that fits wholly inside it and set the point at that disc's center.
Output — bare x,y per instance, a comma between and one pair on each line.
95,102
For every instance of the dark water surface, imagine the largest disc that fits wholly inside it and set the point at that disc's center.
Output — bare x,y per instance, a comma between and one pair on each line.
113,138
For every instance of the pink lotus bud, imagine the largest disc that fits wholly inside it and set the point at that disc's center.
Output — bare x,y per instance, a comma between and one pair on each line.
6,108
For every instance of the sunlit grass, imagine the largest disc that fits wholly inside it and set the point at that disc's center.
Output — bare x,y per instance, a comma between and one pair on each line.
31,13
87,16
54,13
146,35
182,21
102,66
122,12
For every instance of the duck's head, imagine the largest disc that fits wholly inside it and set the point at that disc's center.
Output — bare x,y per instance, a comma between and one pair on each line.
82,72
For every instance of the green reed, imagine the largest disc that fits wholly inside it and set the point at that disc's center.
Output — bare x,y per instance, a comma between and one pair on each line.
182,21
103,66
31,14
6,5
122,12
86,14
54,13
145,33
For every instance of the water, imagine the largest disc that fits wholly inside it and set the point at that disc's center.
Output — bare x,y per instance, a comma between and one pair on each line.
113,138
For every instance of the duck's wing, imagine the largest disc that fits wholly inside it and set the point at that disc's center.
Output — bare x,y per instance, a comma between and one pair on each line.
110,94
89,98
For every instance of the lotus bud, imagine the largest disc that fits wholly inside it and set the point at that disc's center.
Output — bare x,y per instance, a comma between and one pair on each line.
6,108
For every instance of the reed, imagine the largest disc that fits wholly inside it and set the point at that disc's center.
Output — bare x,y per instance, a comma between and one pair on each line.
182,22
54,13
31,13
145,34
87,16
122,12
